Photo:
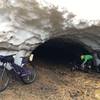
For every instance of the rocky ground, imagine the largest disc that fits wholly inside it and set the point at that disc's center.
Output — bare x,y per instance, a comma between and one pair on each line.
56,82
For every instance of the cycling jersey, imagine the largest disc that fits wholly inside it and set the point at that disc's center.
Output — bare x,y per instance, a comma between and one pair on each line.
86,58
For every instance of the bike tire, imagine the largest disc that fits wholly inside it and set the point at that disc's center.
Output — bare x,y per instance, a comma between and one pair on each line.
4,79
28,79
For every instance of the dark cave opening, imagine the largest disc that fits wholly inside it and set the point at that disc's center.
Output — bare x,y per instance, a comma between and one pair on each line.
60,51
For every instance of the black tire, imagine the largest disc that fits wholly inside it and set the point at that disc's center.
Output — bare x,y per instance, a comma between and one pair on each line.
4,78
31,77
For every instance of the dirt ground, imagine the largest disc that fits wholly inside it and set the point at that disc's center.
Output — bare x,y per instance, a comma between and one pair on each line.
56,82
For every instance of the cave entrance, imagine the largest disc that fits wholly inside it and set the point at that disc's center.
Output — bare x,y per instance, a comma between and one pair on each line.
60,51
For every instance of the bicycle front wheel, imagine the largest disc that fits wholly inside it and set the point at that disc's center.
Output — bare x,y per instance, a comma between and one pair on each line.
4,78
29,78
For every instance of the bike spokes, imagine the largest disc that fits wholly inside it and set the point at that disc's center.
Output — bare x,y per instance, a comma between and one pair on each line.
4,79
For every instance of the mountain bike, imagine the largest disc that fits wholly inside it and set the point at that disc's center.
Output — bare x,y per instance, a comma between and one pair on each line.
25,72
86,68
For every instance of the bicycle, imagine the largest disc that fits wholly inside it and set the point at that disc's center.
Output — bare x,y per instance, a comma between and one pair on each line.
26,73
87,67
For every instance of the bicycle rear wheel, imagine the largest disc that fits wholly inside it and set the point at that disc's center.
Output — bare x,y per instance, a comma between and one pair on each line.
4,78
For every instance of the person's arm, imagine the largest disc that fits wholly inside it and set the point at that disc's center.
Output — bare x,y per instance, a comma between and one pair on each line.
85,61
82,65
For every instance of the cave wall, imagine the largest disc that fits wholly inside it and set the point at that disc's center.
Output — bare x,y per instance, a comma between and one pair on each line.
89,36
25,24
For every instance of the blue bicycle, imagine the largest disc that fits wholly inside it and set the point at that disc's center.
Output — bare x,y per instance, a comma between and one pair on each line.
25,72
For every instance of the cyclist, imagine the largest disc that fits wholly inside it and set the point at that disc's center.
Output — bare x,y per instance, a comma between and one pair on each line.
86,60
